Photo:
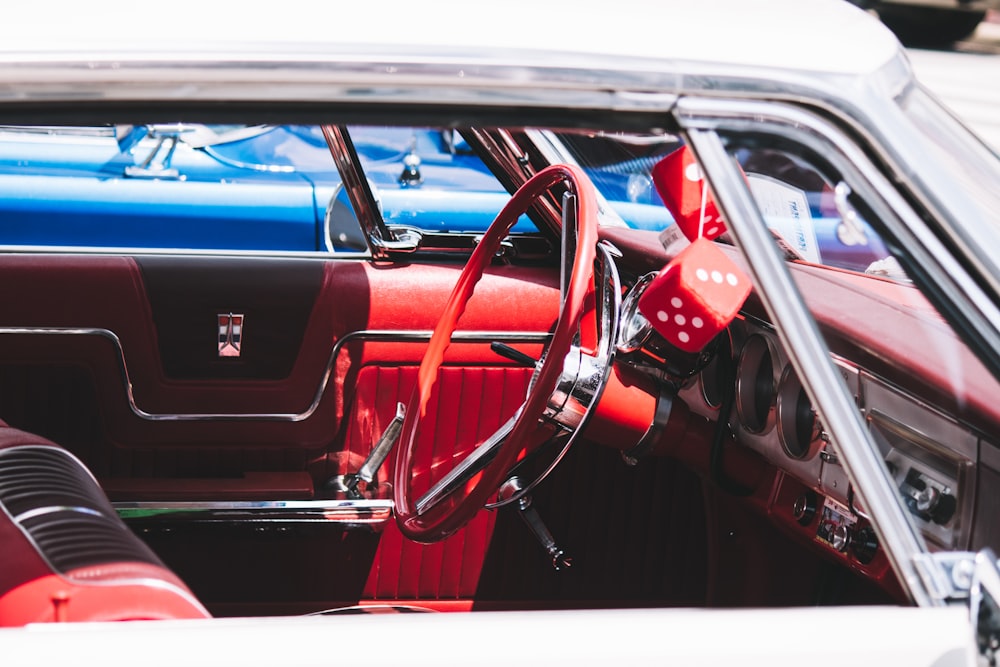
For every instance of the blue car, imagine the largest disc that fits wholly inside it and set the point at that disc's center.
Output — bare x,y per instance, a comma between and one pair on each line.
227,187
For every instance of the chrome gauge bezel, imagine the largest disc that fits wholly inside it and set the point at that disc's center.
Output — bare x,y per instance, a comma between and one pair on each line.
757,377
635,329
790,402
715,379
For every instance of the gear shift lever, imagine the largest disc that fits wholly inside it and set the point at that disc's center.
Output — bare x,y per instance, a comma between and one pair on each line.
535,524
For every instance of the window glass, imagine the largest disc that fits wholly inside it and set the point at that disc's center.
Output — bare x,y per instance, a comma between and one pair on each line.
620,166
191,187
811,211
803,206
428,179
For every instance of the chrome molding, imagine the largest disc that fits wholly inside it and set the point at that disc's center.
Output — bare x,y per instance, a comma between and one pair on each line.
392,335
359,190
350,513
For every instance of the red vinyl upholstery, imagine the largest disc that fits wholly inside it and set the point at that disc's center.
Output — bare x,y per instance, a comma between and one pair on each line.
479,400
67,556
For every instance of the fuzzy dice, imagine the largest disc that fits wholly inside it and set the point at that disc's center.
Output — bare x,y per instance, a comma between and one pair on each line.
695,296
679,181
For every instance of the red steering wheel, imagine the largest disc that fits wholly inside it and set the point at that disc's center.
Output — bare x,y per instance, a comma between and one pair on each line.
455,499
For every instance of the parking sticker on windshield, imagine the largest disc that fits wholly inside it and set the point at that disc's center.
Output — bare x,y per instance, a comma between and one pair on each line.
786,210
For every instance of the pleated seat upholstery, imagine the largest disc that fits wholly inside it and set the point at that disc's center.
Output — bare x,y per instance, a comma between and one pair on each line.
65,555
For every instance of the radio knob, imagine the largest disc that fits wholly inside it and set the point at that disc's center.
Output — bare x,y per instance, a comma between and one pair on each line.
841,537
804,508
944,509
864,546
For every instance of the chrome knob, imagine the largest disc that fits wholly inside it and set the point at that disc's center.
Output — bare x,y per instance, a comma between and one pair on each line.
804,508
841,537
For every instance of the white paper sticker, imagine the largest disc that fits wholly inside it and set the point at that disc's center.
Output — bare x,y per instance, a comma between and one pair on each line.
673,239
786,210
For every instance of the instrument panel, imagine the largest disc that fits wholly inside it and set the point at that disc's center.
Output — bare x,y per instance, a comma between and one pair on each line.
930,456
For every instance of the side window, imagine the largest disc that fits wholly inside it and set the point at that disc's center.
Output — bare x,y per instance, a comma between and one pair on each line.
170,186
187,187
422,178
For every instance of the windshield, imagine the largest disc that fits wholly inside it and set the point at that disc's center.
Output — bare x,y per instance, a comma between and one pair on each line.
808,214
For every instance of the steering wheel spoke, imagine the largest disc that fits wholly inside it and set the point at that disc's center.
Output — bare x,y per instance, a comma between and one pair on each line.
585,327
468,467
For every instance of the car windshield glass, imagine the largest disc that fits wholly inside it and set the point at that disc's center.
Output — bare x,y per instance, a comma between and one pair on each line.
969,164
805,210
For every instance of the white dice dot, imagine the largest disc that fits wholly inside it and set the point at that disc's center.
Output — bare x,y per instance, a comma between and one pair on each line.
676,302
697,322
683,337
680,320
732,279
711,230
702,274
692,172
662,315
717,277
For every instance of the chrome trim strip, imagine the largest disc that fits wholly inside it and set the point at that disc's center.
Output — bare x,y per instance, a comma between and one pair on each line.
396,335
344,512
359,190
52,509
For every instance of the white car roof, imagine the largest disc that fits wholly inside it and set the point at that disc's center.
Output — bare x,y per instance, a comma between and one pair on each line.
806,36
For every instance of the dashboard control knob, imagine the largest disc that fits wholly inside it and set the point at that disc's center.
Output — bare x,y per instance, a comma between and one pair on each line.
929,501
841,537
925,498
864,546
944,509
804,508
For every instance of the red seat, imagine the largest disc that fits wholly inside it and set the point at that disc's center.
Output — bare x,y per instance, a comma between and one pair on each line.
66,554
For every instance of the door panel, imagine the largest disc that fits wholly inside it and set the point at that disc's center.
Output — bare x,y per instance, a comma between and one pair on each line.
148,397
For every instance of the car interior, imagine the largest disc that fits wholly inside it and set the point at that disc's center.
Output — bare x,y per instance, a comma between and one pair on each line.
467,419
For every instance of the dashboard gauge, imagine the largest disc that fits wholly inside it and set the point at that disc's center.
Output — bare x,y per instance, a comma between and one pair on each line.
635,328
798,427
715,378
756,384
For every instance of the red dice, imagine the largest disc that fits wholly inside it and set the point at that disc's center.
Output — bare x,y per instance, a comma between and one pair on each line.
679,181
695,296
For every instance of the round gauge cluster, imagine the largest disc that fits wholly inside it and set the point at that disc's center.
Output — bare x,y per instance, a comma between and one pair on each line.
756,384
798,428
770,395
